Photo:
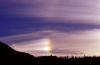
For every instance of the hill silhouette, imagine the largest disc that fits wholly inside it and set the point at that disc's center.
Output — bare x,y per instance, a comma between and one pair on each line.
9,56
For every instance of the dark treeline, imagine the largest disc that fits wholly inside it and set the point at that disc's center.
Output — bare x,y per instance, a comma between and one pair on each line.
9,56
73,60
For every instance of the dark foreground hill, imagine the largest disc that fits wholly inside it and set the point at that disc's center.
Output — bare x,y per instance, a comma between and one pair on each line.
9,56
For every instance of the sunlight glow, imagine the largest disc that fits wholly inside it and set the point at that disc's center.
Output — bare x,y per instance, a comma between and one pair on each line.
45,43
47,48
42,45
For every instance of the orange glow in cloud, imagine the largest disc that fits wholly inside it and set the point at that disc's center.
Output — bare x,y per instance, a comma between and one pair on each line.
46,43
48,48
49,44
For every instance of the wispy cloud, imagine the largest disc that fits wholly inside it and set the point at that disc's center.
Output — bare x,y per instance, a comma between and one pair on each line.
31,25
67,11
27,37
72,26
75,43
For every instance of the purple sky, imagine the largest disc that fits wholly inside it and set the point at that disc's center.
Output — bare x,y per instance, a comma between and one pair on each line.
57,27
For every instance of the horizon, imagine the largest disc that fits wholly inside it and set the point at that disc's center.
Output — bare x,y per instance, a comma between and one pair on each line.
51,27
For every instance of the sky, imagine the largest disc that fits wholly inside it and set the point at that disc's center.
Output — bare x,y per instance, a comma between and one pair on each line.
51,27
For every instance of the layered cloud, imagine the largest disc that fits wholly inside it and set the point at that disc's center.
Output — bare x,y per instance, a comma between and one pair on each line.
77,43
72,26
67,11
30,25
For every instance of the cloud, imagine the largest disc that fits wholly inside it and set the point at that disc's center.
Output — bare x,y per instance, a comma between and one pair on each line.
71,26
31,25
65,52
26,37
84,42
66,11
35,47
